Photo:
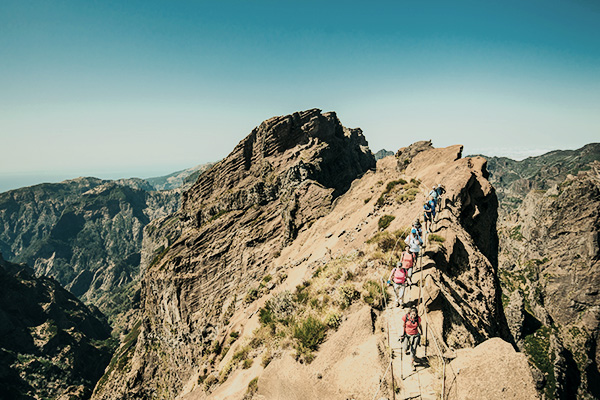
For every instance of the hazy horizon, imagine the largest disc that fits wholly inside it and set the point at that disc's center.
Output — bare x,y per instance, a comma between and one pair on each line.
8,183
117,89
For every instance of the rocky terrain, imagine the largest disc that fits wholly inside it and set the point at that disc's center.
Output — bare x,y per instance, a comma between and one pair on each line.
550,264
86,233
266,283
51,344
513,180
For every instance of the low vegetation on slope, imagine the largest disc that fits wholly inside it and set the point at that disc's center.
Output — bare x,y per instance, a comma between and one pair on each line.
301,319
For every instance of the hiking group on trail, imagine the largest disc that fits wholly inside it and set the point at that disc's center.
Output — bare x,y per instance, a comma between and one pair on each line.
400,276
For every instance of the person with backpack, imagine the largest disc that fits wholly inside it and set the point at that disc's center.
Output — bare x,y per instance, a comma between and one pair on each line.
414,241
440,191
417,226
408,260
411,334
428,215
399,278
433,195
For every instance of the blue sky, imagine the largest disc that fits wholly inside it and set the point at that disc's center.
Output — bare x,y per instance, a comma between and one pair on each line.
141,88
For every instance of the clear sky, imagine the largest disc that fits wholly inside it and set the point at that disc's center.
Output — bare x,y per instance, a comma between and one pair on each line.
143,88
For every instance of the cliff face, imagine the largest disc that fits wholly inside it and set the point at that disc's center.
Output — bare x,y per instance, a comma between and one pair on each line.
550,264
51,344
86,233
286,233
234,221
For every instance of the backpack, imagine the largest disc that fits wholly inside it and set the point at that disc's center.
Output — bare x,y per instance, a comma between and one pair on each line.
399,276
408,260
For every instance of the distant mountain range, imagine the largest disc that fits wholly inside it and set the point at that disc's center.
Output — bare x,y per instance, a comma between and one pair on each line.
87,232
514,179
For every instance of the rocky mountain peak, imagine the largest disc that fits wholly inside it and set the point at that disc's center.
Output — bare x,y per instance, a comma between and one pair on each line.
282,152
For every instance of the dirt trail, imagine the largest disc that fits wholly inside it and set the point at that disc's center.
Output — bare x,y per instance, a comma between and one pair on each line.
423,383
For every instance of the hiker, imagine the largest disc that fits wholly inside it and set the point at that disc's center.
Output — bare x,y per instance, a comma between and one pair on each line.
411,334
428,215
434,195
414,241
399,278
408,260
440,191
417,226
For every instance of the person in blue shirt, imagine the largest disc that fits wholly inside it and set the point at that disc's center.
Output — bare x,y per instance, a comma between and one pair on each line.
429,214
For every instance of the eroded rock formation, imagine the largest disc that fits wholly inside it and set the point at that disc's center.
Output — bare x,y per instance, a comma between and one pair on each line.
550,273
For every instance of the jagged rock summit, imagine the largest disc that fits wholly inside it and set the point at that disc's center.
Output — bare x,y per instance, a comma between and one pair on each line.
267,283
233,222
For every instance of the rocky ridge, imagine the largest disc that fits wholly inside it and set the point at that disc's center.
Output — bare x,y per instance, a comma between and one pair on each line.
234,221
284,214
51,344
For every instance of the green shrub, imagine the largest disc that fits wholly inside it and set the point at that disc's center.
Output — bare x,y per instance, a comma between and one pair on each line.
392,184
252,387
265,316
385,221
385,241
515,233
209,381
347,295
310,333
251,295
267,358
234,335
435,238
368,199
247,363
333,321
375,295
241,354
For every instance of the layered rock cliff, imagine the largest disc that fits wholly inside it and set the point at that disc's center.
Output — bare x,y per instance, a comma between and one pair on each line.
550,264
277,254
234,221
51,344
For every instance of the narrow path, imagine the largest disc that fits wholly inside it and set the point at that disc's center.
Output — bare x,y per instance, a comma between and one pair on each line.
419,384
422,383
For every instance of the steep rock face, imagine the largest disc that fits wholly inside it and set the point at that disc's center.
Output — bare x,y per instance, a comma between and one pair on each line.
463,285
51,344
234,221
86,233
550,263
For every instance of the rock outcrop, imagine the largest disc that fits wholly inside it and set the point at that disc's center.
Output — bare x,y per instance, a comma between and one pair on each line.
285,236
234,221
51,344
492,370
550,265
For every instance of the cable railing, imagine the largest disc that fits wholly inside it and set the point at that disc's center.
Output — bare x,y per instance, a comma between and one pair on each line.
437,342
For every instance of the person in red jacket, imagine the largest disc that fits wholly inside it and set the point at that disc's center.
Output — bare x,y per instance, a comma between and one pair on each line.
411,334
